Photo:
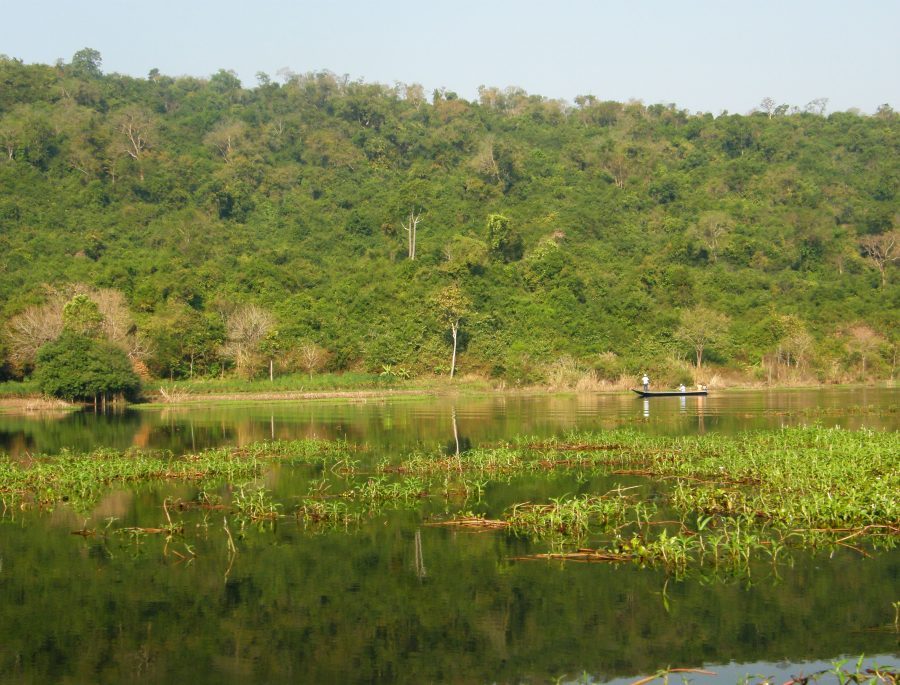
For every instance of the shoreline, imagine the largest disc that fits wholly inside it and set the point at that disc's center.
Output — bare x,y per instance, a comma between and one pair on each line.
37,404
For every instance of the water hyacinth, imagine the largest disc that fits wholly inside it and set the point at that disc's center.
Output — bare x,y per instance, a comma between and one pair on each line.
712,500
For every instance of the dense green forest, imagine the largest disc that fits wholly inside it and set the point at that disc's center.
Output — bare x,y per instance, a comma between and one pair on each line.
323,223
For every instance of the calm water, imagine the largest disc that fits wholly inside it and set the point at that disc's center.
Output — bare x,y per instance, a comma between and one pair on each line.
404,424
399,601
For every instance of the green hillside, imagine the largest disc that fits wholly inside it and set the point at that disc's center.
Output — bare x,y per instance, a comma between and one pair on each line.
592,239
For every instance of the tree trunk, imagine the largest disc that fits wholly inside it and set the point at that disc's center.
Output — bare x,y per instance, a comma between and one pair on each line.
271,370
192,365
455,330
699,357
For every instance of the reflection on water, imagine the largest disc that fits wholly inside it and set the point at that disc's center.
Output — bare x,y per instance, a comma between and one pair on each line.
402,424
397,600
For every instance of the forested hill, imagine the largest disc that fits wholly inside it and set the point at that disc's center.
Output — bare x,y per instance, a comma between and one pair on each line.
596,236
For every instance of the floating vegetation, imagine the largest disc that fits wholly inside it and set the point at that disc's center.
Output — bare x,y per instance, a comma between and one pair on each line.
254,503
81,479
574,517
471,521
724,502
733,499
838,673
327,514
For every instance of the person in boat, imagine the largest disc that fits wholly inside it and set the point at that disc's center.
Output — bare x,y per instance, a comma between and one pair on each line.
645,381
681,388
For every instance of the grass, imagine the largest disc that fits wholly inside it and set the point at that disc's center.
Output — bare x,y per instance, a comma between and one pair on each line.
26,388
285,383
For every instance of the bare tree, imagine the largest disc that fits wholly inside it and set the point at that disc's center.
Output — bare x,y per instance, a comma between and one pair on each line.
32,328
137,127
817,106
225,138
864,341
245,328
485,162
312,358
410,227
711,227
616,165
768,106
881,250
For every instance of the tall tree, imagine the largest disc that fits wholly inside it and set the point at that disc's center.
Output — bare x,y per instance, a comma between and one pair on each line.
411,226
702,328
137,128
453,306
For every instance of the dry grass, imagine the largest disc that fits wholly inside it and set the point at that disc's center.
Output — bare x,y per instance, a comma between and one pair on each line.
36,405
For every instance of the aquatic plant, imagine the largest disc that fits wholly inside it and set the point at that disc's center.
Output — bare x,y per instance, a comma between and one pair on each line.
253,502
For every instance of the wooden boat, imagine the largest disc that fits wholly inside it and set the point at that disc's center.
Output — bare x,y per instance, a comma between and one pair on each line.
671,393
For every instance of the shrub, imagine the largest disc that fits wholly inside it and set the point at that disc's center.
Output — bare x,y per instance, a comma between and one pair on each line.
77,368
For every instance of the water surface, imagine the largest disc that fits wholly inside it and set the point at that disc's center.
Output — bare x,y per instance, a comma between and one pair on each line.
397,600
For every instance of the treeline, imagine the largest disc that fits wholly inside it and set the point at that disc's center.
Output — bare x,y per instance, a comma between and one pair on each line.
322,223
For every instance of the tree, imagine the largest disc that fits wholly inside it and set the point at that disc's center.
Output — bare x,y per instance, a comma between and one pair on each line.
86,63
465,254
137,127
76,367
269,347
881,250
312,358
453,306
701,328
863,341
504,242
245,329
410,227
225,138
768,106
31,329
82,316
711,227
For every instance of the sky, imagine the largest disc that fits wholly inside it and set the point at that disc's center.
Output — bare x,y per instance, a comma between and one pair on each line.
701,55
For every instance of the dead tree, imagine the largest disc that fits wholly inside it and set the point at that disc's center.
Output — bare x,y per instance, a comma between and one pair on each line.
410,227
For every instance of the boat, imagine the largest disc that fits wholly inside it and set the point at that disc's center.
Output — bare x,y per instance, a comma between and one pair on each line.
671,393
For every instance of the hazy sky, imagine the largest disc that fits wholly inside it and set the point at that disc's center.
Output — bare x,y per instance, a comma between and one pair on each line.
701,55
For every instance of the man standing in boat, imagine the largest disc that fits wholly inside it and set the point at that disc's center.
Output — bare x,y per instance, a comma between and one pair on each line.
646,381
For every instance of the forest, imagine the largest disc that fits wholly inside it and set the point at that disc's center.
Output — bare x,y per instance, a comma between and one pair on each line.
201,228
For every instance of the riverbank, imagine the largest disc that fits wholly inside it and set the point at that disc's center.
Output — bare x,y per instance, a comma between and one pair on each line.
36,404
24,398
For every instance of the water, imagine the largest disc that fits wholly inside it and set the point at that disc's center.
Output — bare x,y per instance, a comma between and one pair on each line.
410,423
399,601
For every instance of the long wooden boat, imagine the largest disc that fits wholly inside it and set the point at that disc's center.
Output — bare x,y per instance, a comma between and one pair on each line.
671,393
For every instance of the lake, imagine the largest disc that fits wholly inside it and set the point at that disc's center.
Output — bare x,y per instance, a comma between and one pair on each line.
394,599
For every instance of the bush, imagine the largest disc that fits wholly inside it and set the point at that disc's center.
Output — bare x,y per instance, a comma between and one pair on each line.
78,368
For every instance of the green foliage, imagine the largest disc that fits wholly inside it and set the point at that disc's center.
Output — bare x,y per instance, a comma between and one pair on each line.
504,243
78,368
575,230
82,317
